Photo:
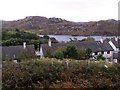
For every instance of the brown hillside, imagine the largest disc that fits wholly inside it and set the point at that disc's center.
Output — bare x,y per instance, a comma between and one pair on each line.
45,25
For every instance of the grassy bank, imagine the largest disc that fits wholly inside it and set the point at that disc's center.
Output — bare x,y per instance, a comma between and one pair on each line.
53,73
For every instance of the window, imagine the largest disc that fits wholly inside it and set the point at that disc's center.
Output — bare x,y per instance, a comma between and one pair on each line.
102,52
96,53
108,52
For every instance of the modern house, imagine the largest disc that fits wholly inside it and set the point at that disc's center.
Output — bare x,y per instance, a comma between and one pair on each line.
97,47
16,52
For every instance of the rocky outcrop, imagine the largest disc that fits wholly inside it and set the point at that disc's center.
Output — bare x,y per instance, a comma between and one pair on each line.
45,25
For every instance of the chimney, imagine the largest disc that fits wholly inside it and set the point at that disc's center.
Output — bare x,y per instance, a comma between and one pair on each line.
49,42
24,45
116,38
101,40
41,52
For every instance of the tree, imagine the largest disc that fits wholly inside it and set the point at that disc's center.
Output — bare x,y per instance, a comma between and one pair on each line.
71,52
13,37
46,36
88,53
59,54
89,39
53,40
74,40
81,53
35,42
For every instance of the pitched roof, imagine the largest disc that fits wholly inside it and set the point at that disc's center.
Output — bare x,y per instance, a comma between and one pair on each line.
54,47
95,46
116,43
117,55
105,46
15,51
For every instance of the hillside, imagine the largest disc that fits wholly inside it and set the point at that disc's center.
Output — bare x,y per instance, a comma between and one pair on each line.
60,26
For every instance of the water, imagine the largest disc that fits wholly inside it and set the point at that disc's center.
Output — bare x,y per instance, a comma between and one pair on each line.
66,38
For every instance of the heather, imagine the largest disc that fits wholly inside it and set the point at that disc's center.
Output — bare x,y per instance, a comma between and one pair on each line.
54,73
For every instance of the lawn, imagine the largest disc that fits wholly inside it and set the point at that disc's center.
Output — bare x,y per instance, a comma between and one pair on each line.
54,73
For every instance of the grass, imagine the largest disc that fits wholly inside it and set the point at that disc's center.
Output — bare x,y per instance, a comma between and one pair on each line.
54,73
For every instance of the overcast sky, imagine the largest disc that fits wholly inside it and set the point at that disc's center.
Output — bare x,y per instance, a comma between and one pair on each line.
73,10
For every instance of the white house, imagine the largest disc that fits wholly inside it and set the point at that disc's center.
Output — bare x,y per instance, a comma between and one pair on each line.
98,48
115,44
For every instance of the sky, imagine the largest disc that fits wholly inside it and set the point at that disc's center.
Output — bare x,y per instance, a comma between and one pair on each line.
72,10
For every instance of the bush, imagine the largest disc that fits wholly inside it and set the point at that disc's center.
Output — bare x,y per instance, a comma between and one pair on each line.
81,53
17,37
49,73
100,57
59,54
49,53
46,36
24,54
88,53
71,52
89,39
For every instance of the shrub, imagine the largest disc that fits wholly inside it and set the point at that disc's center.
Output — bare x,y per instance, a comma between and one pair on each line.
71,52
59,54
74,40
24,54
48,52
44,74
88,53
100,57
81,53
89,39
46,36
17,37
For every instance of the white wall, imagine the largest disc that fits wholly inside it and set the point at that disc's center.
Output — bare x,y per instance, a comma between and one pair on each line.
93,54
110,55
115,61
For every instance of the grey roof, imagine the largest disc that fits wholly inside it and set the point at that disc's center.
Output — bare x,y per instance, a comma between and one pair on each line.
95,46
116,43
15,51
54,47
117,55
105,46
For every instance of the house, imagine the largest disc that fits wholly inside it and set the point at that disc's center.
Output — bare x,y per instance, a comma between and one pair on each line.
15,52
115,43
116,57
97,47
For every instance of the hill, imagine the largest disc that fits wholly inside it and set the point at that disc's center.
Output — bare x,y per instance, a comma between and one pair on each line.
43,25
